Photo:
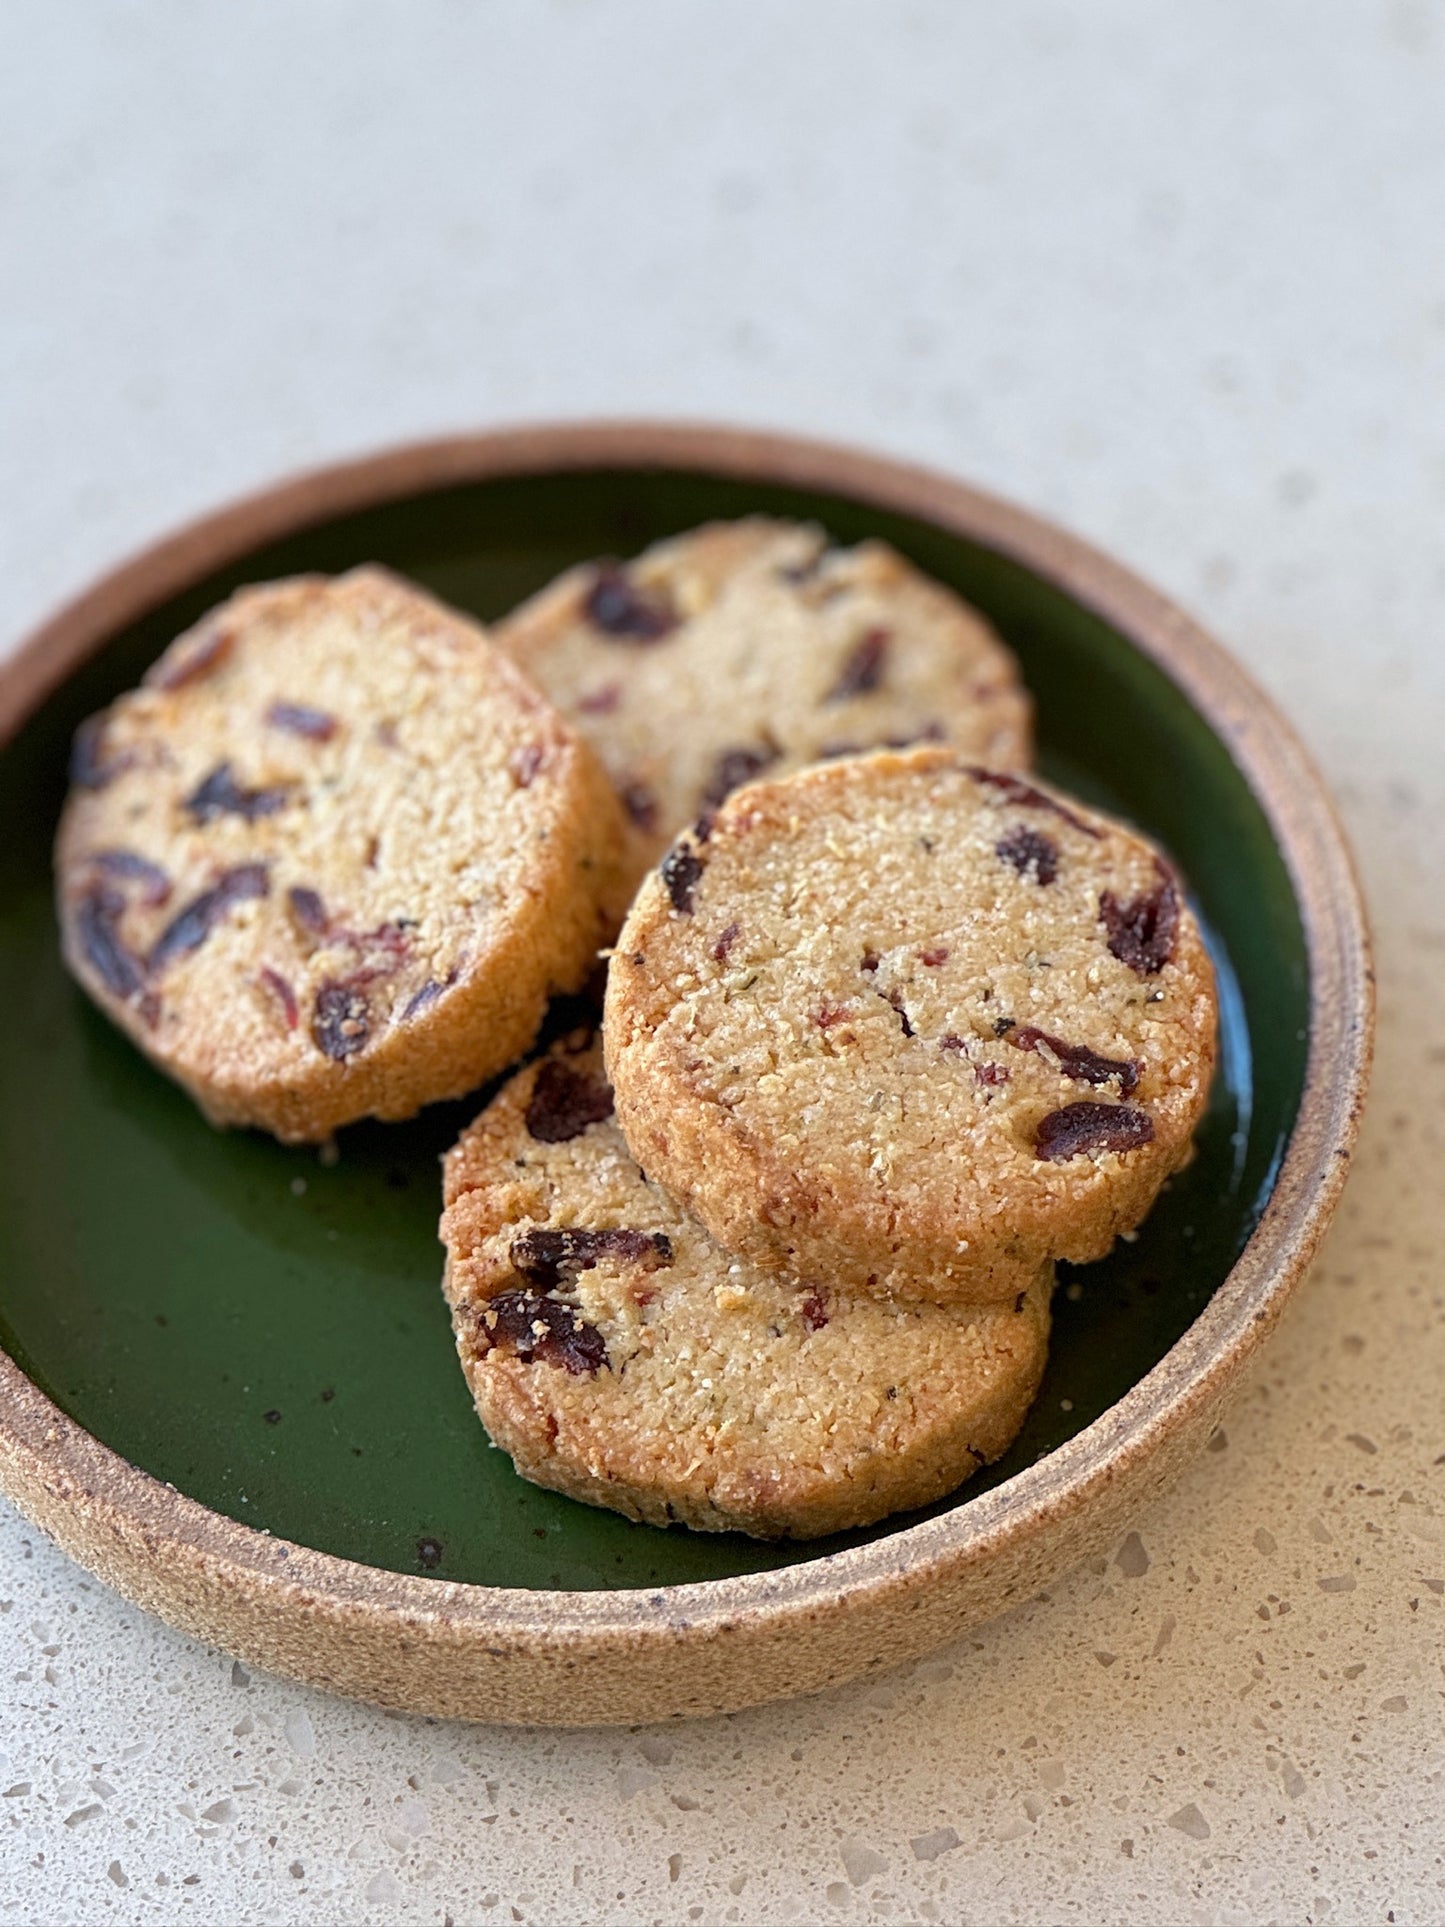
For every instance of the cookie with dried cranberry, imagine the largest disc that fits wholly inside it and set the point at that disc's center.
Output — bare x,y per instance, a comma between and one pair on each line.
621,1356
750,648
332,857
911,1025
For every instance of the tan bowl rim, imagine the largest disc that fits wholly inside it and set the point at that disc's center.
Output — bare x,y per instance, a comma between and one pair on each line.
41,1446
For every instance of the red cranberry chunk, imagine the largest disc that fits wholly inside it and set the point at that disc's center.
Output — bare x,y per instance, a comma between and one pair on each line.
524,764
1015,790
341,1020
1143,932
546,1257
564,1102
895,997
307,911
640,804
423,998
814,1311
281,990
174,672
681,871
90,767
1030,852
736,767
190,927
601,701
126,866
624,610
1090,1126
1085,1066
97,929
299,719
537,1327
219,794
863,666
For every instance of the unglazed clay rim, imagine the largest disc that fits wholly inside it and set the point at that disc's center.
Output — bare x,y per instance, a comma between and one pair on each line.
44,1455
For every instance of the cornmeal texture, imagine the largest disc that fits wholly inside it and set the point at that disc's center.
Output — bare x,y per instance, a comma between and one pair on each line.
621,1356
331,859
750,648
911,1026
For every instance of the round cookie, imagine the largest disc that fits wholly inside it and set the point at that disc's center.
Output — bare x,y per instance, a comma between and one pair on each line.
621,1356
752,647
911,1025
333,856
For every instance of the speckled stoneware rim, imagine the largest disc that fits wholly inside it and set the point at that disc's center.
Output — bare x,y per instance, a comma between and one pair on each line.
567,1657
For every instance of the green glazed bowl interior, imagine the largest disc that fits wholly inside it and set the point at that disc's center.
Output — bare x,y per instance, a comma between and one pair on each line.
265,1331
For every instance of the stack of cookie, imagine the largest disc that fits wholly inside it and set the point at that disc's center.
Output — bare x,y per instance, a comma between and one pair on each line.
889,1028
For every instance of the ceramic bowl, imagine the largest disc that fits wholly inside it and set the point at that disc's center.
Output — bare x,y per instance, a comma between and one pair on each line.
228,1385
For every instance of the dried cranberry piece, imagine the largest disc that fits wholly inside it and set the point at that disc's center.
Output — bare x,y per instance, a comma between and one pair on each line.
1029,852
546,1257
1143,932
298,719
863,666
1090,1126
537,1327
307,911
219,794
341,1019
814,1311
735,767
1085,1066
640,804
524,763
681,871
129,867
830,1014
90,767
421,999
1015,790
989,1074
281,990
392,939
97,927
601,701
619,607
175,671
933,957
564,1102
895,997
190,927
726,941
870,961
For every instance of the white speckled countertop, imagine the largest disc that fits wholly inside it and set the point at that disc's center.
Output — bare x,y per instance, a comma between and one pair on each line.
1173,275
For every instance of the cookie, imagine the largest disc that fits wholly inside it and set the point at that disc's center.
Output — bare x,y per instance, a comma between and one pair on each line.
621,1356
330,860
912,1026
752,647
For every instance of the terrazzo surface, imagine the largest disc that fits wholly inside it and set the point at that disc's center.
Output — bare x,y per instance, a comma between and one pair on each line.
1170,275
